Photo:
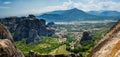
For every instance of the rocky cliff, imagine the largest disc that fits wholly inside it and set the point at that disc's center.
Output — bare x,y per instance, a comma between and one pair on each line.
11,22
31,29
27,27
7,46
109,45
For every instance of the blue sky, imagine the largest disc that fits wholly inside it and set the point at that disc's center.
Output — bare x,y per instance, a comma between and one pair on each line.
25,7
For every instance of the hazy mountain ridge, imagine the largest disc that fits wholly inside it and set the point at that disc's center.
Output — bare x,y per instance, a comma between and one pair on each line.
76,14
105,13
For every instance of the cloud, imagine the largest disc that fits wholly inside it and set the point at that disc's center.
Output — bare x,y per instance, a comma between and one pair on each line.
66,5
7,2
4,7
89,5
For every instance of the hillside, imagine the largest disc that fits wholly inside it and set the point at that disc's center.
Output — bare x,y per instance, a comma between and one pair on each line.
109,45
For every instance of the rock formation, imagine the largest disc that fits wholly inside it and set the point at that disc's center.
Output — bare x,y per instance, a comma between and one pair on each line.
32,28
33,36
11,22
50,24
21,27
7,46
109,45
86,36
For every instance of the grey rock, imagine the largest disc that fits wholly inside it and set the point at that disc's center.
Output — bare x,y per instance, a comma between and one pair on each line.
33,36
22,26
86,36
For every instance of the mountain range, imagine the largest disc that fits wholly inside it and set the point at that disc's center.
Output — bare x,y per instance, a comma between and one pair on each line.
78,15
105,13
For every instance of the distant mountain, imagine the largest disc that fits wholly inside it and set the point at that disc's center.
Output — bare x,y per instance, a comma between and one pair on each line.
56,12
105,13
72,15
97,13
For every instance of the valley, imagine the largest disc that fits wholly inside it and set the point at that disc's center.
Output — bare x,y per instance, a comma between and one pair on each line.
66,39
54,38
59,28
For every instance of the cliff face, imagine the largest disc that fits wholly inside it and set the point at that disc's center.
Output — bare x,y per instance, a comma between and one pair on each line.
7,46
109,45
31,29
11,22
27,27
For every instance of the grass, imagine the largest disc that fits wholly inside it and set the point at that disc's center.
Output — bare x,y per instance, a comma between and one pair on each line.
60,50
44,46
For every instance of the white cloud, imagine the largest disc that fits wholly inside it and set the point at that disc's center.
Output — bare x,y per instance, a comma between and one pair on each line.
110,5
91,5
66,5
7,2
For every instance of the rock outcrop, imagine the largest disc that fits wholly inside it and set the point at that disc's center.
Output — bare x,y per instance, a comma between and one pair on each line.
11,22
109,45
50,24
32,28
33,36
7,46
86,36
27,27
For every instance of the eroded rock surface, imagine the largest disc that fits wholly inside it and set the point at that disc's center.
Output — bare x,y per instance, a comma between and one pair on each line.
7,46
109,45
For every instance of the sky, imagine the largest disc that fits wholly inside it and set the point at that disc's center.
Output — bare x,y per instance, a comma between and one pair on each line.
25,7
